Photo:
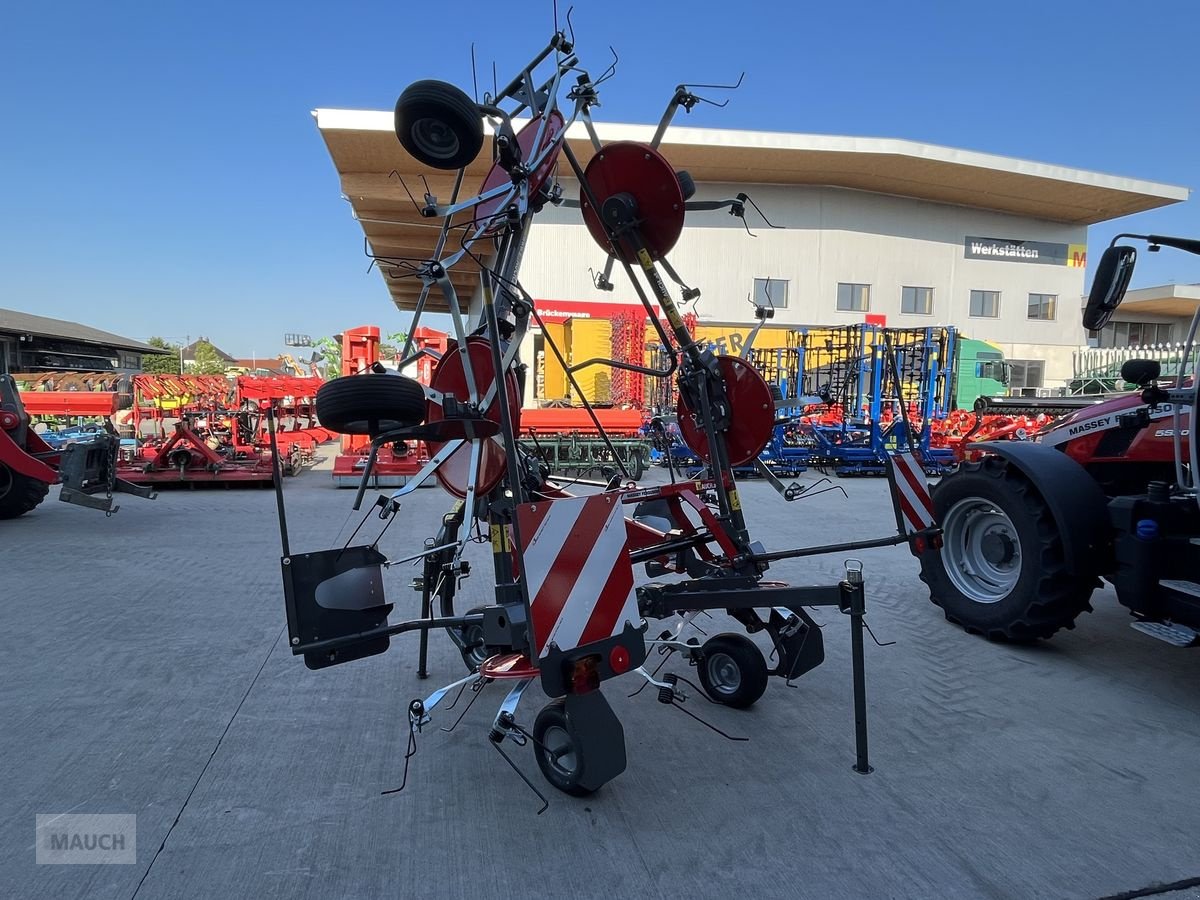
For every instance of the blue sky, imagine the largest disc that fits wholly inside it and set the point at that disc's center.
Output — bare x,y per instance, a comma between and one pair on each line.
160,172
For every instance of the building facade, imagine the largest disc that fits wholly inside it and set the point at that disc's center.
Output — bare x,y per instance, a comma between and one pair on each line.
861,230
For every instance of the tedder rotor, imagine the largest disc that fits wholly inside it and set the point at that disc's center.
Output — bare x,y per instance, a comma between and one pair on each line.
567,611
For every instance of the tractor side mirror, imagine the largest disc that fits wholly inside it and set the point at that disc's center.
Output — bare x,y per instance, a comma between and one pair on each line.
1109,285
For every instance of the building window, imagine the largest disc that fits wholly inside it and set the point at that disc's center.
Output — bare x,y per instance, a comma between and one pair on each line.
916,300
1025,376
853,297
1135,334
1041,306
771,292
985,304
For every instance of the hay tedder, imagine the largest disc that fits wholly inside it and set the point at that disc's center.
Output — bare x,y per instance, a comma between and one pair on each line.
567,611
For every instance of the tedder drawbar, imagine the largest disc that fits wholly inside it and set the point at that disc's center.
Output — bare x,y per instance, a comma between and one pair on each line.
567,612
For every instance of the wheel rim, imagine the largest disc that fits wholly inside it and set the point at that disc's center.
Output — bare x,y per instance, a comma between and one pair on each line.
981,550
6,481
434,138
723,673
560,751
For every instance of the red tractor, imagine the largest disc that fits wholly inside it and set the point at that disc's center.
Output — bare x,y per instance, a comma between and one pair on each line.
1031,528
28,465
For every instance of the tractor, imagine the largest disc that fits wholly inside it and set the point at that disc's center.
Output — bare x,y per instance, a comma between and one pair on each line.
28,465
1030,528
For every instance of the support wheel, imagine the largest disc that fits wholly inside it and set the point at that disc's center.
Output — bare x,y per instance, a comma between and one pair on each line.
732,670
19,493
1002,568
439,125
636,465
370,404
558,750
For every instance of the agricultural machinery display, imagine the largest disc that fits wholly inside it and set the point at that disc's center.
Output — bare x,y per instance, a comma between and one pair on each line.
209,429
87,469
1107,491
567,612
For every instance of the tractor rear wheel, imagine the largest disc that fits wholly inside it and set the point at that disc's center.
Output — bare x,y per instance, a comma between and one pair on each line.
19,493
1001,571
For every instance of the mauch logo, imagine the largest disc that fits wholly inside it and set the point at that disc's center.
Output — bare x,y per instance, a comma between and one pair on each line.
85,839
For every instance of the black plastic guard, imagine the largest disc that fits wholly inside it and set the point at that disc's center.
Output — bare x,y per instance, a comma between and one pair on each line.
800,643
601,739
335,594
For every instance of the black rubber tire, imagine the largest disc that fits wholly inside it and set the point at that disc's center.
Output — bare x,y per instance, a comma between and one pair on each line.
552,720
370,403
717,654
439,125
687,184
636,465
1046,596
19,493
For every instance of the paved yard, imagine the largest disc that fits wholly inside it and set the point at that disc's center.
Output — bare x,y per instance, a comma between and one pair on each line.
147,672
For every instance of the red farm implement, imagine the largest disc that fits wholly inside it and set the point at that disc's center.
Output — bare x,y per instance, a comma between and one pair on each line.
193,432
392,464
28,465
568,611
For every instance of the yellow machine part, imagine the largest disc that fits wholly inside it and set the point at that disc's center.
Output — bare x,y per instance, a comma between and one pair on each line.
554,384
590,339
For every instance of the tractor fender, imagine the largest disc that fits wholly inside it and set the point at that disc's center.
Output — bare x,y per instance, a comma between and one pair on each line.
16,458
1076,501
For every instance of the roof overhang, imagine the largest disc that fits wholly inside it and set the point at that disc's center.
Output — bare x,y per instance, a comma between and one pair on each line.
365,152
1164,300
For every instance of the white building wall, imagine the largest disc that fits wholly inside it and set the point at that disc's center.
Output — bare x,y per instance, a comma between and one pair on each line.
832,235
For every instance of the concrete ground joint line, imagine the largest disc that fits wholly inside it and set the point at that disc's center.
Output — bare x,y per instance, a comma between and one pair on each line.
207,763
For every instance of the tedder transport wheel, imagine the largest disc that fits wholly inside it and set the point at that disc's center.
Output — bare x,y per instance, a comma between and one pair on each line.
1001,571
370,404
732,670
19,493
558,749
439,125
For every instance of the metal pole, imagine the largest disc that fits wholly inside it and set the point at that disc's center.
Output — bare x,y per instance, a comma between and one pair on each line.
277,482
854,601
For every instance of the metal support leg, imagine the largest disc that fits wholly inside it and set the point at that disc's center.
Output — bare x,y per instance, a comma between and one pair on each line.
854,603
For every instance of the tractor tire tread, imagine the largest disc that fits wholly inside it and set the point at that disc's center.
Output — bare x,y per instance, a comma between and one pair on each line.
1059,598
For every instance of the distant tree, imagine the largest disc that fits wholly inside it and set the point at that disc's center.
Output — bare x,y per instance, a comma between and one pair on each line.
208,361
392,345
162,365
330,351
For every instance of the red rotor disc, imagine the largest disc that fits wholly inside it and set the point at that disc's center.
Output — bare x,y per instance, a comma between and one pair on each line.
450,378
496,176
752,414
626,167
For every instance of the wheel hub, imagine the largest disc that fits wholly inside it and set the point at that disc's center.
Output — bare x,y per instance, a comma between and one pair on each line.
997,547
723,673
435,137
981,550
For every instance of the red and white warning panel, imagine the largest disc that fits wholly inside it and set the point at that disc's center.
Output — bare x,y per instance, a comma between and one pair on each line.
910,491
577,570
